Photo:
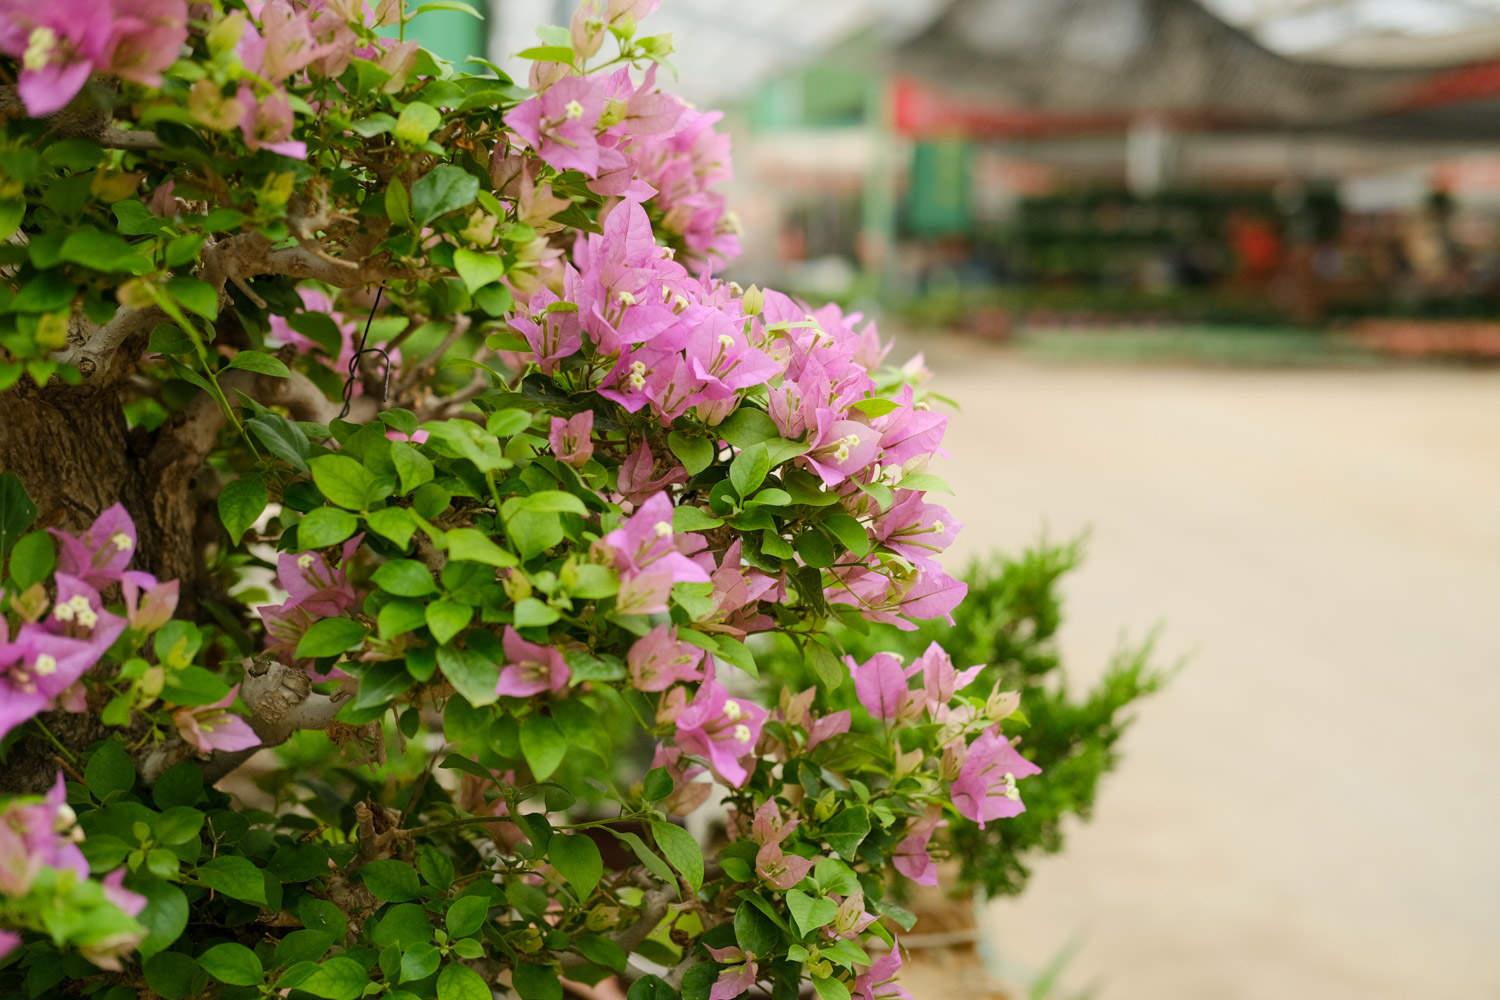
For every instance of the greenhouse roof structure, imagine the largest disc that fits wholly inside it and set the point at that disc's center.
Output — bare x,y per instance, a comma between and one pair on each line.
728,48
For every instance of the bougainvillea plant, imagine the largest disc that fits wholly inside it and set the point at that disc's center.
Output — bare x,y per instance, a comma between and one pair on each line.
392,507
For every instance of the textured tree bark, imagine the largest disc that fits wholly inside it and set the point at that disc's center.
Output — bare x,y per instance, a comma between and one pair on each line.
71,450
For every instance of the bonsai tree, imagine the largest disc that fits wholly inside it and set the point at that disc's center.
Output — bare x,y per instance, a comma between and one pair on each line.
389,414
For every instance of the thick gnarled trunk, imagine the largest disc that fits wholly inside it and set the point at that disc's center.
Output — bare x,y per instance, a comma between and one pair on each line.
70,447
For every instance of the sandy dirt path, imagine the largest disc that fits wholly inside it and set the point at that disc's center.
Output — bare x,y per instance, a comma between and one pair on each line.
1312,809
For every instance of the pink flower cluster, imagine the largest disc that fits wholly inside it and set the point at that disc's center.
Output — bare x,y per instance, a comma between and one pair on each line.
295,37
37,835
634,140
60,43
677,344
715,727
983,773
315,589
40,666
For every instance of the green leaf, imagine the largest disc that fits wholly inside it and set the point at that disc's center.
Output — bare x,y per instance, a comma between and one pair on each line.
472,674
419,962
446,618
392,881
33,559
737,653
747,426
394,523
346,482
753,931
337,978
369,127
649,858
12,211
416,123
830,989
413,467
443,189
846,831
925,482
508,422
748,470
435,866
178,825
305,945
459,982
532,613
397,201
533,982
109,770
241,504
549,502
405,578
404,925
381,684
687,518
850,533
652,988
577,859
472,545
814,548
330,637
682,850
236,877
548,53
260,363
467,915
543,745
477,269
456,6
810,912
169,975
826,666
325,526
534,533
233,964
195,296
187,685
283,439
16,511
165,916
695,453
101,251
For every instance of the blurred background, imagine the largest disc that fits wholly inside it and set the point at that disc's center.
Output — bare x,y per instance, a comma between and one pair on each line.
1218,281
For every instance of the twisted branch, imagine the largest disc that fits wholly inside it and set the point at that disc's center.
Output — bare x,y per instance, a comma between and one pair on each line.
281,701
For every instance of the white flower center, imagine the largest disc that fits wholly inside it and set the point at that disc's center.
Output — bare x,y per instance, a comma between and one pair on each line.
726,341
626,299
732,710
46,665
40,46
662,529
742,733
305,560
573,110
121,541
63,612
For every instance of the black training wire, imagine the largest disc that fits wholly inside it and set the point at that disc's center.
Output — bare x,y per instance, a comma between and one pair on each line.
364,338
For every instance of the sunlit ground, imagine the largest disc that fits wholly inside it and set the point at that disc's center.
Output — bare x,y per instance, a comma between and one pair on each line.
1310,810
